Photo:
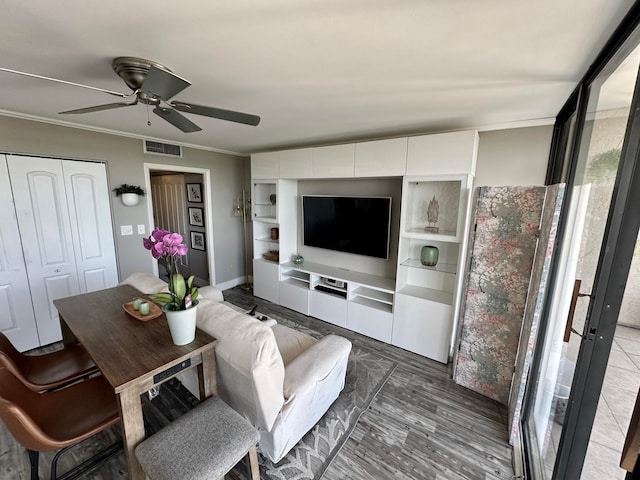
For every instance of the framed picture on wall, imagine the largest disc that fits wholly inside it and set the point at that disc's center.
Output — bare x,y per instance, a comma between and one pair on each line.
197,241
196,217
194,192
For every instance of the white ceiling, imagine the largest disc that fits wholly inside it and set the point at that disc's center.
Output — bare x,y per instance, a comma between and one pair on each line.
316,71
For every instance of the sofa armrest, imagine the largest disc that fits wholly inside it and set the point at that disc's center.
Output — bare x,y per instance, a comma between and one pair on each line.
315,364
212,293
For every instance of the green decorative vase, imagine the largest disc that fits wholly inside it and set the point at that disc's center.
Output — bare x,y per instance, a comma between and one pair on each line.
429,256
298,259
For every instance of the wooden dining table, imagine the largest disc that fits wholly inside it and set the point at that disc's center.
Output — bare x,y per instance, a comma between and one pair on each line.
133,355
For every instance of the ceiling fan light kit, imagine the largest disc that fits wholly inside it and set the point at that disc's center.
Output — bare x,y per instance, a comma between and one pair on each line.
153,84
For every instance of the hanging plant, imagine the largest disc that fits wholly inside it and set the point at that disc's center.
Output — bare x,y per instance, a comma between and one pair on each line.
129,194
124,188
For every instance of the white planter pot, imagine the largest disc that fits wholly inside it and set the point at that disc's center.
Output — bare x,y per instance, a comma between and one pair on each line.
182,325
130,199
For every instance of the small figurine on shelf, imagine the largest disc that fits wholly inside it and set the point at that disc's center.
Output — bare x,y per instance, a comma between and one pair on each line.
433,211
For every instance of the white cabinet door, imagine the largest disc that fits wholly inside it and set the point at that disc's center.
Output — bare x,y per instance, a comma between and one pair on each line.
381,158
422,326
296,164
295,297
43,216
265,280
265,165
17,321
92,232
369,321
443,153
333,161
328,307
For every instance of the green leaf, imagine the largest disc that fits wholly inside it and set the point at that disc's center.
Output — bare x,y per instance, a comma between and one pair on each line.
162,298
179,287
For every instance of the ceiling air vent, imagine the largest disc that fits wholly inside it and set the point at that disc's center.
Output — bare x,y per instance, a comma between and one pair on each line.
157,148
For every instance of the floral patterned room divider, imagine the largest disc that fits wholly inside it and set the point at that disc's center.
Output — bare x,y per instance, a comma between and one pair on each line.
505,282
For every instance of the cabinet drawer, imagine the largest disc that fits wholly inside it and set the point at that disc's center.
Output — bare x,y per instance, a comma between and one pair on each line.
328,307
295,297
369,321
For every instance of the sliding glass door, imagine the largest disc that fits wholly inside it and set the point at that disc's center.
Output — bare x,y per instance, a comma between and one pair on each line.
596,146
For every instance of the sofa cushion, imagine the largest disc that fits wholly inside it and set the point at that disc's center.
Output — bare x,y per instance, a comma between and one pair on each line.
145,283
291,343
248,362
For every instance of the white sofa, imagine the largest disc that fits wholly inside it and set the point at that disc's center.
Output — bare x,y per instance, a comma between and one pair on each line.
281,380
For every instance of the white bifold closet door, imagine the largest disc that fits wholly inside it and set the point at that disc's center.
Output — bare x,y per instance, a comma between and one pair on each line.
17,320
64,221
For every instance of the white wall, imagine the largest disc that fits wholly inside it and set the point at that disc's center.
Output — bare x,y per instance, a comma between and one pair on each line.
516,156
124,158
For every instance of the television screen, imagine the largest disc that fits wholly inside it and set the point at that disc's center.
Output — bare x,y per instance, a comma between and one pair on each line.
357,225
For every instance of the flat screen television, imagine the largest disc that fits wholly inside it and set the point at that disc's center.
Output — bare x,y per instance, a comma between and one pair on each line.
358,225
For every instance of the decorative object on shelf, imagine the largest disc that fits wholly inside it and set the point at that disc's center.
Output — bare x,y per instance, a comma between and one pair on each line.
297,259
274,233
272,198
179,304
433,210
429,256
194,192
272,255
197,241
129,194
196,217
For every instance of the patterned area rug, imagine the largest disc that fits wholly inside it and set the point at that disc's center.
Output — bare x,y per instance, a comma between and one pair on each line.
366,374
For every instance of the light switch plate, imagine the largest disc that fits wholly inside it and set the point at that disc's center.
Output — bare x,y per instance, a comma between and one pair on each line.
141,230
126,229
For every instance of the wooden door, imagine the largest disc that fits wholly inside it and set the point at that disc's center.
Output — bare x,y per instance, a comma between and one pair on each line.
17,321
91,228
43,217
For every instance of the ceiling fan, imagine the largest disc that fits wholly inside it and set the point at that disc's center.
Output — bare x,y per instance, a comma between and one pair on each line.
153,84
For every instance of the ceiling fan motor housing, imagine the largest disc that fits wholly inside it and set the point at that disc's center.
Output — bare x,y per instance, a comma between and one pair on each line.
134,70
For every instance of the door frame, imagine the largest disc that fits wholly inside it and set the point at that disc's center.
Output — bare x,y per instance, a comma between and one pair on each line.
620,236
619,240
207,205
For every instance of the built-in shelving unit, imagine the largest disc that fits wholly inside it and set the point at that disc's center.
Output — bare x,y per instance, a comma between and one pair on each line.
417,308
419,286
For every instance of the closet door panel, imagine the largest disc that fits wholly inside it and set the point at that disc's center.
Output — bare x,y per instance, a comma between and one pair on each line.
91,227
17,321
41,206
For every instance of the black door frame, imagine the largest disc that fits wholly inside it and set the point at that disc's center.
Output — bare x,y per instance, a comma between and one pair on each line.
619,242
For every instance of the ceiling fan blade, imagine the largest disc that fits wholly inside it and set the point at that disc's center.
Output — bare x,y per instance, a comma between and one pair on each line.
163,84
177,120
220,113
98,108
110,92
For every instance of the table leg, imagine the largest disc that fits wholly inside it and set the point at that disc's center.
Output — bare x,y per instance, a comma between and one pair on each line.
68,338
207,374
132,430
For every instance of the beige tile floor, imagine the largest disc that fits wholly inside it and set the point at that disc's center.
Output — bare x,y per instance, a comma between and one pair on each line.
615,407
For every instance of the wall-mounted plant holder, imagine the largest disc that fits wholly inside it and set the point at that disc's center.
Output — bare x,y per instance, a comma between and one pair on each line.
129,194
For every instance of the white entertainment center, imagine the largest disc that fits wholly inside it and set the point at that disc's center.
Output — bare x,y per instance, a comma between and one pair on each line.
399,300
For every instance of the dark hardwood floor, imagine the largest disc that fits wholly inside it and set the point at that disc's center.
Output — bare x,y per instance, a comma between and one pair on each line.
421,425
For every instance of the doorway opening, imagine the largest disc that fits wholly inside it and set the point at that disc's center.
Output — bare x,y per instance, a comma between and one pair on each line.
181,202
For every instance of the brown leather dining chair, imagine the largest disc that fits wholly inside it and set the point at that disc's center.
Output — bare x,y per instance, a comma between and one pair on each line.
49,370
58,420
